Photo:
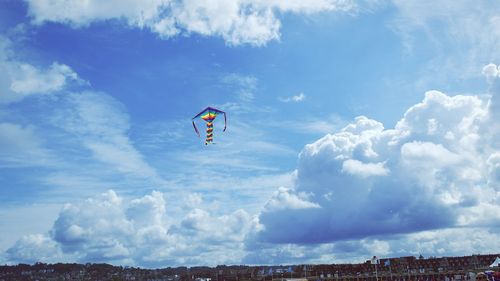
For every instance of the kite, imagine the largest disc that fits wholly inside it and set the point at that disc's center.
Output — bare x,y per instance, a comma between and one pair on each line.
208,114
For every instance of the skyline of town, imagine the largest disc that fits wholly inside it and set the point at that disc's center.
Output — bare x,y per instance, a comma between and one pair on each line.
413,268
340,130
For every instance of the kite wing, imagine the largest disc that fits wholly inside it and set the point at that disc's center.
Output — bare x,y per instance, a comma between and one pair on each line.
208,115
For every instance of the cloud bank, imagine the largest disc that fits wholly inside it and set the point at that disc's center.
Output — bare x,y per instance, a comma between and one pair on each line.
237,22
436,169
109,228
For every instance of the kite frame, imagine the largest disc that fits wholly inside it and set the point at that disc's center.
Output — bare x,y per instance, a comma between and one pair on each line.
203,111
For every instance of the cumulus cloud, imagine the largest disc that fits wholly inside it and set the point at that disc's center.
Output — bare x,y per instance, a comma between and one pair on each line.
436,169
20,80
284,199
355,167
219,229
443,242
490,71
109,228
33,248
31,80
494,170
450,241
237,22
429,185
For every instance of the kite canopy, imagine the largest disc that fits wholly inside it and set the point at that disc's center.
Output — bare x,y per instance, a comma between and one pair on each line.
208,115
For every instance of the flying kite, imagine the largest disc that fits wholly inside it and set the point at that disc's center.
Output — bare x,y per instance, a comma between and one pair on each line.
208,114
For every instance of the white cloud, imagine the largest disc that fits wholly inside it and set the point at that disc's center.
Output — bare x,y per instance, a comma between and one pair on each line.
207,228
237,22
80,13
98,228
19,220
494,170
490,71
109,228
148,210
298,98
193,200
313,6
31,80
449,242
455,242
19,80
33,248
358,168
284,199
436,169
414,153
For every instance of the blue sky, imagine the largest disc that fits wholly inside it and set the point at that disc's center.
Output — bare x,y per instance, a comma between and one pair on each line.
355,128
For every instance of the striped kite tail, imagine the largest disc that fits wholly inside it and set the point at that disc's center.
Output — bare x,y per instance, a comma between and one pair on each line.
210,133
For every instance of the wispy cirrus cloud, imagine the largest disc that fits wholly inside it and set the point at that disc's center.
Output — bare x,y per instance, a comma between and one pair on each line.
310,124
245,85
297,98
96,120
101,123
20,146
463,36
